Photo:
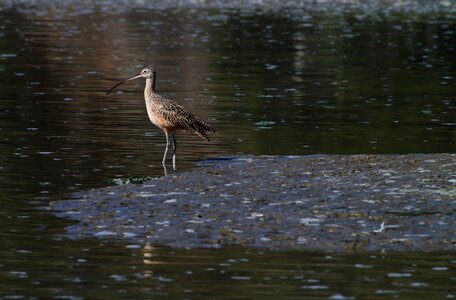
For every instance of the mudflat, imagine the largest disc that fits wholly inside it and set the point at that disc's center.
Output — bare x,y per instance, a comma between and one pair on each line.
326,202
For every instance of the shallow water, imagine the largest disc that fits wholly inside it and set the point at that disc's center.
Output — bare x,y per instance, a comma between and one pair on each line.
270,82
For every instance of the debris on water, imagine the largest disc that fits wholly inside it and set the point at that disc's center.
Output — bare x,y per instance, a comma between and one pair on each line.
265,124
130,180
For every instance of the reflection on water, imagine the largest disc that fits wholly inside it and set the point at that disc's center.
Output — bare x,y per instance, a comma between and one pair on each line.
96,270
270,83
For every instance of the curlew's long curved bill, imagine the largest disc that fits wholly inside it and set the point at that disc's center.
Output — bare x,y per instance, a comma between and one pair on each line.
134,77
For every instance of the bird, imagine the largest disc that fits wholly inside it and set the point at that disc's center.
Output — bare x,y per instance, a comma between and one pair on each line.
167,114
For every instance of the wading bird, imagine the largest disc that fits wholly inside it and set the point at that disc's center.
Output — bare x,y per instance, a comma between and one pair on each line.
168,115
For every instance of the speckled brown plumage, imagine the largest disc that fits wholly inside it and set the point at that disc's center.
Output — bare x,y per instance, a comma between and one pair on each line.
171,116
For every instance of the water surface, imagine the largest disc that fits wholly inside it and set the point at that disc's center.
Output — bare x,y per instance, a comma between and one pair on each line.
270,82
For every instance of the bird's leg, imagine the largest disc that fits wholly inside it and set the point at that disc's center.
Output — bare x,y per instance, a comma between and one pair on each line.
165,171
166,149
174,152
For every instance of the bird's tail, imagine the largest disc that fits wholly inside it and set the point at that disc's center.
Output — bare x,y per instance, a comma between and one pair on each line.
201,128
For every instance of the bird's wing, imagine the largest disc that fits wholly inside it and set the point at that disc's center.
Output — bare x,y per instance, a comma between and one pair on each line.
182,118
177,115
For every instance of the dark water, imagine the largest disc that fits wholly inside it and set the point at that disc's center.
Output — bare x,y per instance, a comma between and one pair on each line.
297,83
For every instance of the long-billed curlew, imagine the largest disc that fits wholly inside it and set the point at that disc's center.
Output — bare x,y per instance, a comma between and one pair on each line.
167,114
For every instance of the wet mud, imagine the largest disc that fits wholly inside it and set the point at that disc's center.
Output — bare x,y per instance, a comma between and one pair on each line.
328,202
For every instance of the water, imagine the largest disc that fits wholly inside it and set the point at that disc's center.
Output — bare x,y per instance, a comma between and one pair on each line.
270,82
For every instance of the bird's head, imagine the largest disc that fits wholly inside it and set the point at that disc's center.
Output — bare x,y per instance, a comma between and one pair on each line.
148,73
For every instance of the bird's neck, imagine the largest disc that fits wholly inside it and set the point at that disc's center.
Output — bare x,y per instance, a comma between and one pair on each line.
150,87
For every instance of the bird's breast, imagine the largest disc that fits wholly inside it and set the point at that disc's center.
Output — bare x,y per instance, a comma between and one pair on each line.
158,120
